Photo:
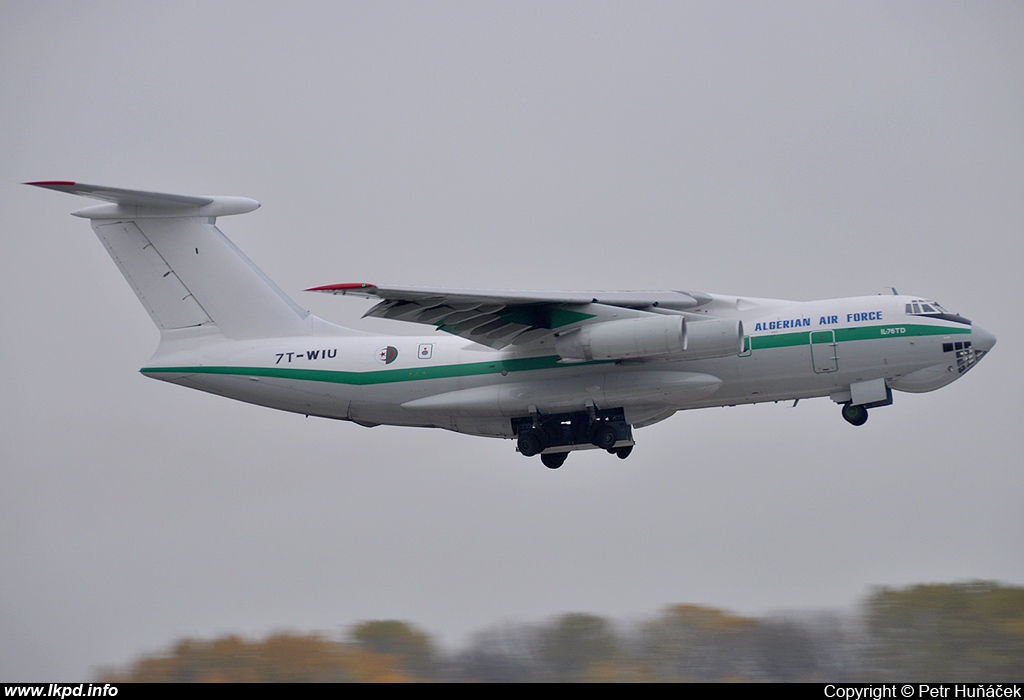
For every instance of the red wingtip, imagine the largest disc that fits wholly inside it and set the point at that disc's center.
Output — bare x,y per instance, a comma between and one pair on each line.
52,183
344,286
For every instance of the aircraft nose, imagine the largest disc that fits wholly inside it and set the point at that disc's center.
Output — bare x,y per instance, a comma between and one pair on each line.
981,339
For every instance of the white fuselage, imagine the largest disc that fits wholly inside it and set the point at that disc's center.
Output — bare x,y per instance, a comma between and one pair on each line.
792,350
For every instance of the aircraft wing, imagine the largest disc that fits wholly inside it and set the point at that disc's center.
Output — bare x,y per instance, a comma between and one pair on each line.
497,318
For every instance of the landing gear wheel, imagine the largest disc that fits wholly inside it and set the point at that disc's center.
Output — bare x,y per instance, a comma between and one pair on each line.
605,437
855,415
530,442
553,460
623,452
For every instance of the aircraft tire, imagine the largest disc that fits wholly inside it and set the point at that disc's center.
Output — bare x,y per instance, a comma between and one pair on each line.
623,452
530,442
855,415
605,437
553,460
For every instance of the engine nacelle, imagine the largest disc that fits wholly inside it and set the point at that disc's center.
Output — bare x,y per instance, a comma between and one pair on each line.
658,337
717,337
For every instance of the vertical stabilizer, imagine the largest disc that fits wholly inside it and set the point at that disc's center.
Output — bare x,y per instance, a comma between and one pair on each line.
184,270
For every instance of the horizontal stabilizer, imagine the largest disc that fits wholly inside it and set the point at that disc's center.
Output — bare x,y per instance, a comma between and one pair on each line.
138,203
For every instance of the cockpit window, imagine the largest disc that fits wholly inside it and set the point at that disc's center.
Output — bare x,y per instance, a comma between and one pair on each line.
920,306
924,307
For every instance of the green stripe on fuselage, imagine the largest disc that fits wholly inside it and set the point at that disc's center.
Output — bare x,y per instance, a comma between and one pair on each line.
843,335
384,376
470,369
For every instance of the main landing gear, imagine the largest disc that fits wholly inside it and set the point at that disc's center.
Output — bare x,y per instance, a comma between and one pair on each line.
553,460
543,435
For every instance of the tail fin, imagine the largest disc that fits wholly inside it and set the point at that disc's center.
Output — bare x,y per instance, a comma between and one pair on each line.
183,269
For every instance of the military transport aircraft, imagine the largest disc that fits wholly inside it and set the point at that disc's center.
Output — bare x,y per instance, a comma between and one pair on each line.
556,371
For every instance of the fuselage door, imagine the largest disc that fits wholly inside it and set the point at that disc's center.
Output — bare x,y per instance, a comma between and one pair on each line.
824,353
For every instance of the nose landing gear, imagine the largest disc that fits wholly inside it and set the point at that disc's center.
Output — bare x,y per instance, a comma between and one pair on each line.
855,415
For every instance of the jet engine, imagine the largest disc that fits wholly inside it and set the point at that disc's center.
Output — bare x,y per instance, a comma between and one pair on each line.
660,337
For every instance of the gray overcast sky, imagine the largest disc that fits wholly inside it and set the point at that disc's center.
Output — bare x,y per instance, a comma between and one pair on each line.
794,150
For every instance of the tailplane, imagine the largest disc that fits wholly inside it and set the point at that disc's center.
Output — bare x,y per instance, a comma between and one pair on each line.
186,273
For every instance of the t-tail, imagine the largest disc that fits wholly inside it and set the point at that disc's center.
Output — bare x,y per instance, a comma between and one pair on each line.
188,275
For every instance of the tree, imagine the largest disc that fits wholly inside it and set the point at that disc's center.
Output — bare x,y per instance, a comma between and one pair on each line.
575,644
413,649
698,643
950,632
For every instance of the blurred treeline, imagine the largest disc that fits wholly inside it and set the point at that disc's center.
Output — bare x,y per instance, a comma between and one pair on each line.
942,632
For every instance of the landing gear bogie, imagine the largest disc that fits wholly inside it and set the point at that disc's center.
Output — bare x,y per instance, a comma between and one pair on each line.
553,436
